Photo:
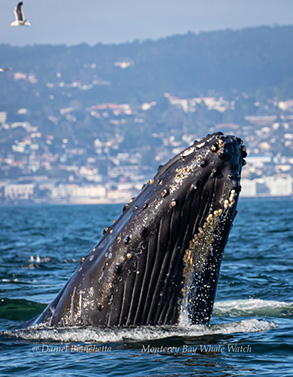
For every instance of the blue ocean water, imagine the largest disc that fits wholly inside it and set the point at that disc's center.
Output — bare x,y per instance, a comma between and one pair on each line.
251,332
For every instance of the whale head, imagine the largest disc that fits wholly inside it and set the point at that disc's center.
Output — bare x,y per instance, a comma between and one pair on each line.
159,262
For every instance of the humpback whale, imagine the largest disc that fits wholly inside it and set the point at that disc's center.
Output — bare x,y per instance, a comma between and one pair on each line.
159,261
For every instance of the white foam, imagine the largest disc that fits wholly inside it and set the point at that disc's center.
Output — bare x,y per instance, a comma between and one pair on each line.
139,333
253,307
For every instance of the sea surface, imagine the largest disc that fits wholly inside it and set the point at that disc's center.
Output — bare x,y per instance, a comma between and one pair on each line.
250,333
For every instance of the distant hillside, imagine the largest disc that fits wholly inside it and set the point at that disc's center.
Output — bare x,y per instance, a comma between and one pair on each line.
255,61
105,117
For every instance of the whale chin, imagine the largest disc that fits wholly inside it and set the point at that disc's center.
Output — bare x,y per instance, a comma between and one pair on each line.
159,263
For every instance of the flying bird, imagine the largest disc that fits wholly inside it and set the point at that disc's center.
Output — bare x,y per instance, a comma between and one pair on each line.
5,69
19,17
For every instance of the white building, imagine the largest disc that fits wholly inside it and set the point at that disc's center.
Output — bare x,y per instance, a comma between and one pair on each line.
75,193
3,117
280,186
248,188
267,187
19,191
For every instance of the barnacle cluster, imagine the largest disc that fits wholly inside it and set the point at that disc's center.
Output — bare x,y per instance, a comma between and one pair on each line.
196,256
202,243
182,173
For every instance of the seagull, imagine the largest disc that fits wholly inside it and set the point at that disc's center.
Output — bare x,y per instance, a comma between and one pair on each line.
5,69
19,17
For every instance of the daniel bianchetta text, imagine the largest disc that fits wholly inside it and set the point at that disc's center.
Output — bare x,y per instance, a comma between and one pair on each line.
204,348
71,348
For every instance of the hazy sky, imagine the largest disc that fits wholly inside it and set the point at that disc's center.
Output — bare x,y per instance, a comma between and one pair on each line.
114,21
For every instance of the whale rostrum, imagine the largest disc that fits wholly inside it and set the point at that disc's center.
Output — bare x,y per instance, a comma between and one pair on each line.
159,262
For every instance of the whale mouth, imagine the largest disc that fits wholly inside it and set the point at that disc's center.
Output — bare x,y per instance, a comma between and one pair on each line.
159,262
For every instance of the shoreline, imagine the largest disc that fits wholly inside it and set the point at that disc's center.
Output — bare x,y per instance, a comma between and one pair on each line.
113,202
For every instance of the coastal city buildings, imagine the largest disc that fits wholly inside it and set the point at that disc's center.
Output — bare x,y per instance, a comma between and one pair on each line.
49,165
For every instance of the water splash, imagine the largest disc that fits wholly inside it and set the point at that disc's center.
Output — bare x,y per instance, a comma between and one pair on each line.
139,333
253,307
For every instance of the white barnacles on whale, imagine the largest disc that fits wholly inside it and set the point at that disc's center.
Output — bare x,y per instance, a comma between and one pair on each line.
164,193
232,198
200,145
220,143
126,205
173,203
187,151
209,218
196,257
221,153
182,173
